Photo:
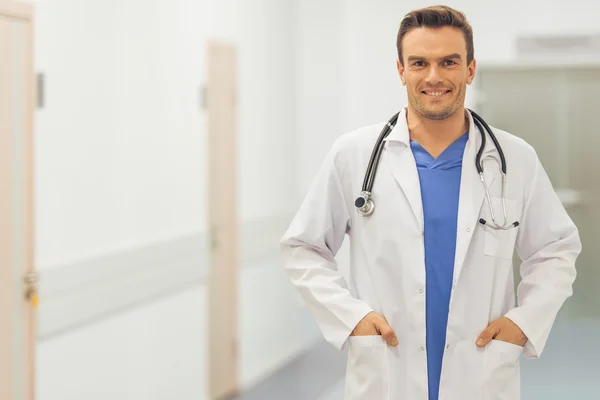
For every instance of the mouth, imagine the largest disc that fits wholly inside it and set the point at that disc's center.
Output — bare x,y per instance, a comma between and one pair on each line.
436,93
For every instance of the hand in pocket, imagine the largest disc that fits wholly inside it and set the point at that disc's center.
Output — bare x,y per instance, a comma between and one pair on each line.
375,324
503,330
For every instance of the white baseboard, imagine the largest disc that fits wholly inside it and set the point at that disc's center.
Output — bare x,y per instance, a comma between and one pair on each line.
82,292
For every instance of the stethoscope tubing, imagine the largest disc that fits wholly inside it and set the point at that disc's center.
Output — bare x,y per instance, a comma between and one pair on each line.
364,204
483,127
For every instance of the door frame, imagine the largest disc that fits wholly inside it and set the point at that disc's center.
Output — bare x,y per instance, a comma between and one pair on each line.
16,306
222,219
16,10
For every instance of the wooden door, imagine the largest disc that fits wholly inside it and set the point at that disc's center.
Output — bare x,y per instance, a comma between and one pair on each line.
223,220
17,278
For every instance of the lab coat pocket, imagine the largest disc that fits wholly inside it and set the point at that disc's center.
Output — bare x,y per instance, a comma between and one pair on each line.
499,242
501,371
367,371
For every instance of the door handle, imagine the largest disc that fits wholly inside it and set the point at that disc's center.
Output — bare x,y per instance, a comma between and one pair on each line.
31,293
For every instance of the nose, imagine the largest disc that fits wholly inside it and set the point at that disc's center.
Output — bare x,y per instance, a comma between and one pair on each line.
433,77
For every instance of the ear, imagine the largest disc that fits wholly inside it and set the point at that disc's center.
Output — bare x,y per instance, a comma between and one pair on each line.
401,72
471,71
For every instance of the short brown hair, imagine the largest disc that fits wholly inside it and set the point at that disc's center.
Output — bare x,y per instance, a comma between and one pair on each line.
436,17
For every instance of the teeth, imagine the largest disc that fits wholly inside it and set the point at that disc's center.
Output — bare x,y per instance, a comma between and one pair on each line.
435,93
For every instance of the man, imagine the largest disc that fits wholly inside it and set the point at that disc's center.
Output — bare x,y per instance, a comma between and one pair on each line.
427,309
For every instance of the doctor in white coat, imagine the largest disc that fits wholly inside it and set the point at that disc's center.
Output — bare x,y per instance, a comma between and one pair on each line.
427,309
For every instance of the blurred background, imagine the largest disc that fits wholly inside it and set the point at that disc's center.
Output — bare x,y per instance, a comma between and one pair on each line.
121,201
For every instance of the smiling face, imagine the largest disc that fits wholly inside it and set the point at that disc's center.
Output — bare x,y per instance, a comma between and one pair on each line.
435,71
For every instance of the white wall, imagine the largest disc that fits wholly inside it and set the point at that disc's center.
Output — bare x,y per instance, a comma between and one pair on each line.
319,82
120,163
365,87
268,106
158,350
121,142
154,352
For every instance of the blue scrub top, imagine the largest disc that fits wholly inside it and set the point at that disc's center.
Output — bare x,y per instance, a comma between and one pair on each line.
440,187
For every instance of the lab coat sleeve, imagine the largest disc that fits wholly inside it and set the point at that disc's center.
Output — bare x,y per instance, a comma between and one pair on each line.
548,244
309,248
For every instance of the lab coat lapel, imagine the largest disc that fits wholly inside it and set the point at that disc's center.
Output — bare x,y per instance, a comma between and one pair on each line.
401,162
472,194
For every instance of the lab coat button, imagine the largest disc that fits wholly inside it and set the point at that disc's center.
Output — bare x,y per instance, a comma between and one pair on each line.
422,348
420,290
468,229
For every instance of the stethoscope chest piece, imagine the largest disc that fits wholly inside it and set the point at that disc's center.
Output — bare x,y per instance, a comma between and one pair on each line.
364,205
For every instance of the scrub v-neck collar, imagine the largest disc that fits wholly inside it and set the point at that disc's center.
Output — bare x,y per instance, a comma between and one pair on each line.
446,160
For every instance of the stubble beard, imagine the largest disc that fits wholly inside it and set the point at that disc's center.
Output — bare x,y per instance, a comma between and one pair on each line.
438,114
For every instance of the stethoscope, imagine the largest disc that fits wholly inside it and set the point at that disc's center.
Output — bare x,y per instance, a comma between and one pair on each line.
364,203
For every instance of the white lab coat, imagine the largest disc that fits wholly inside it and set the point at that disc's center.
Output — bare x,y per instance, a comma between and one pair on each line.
387,266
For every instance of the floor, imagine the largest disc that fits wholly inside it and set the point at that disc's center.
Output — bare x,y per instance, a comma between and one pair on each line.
568,369
312,376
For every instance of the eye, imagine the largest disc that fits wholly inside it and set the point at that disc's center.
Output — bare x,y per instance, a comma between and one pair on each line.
449,63
419,63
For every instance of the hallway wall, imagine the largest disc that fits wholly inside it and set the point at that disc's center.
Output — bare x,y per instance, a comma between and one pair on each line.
120,143
157,350
121,201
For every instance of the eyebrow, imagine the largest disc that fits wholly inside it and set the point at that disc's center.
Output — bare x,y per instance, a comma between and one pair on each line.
448,57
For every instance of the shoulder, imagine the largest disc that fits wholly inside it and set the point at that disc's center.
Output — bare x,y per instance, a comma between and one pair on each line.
516,149
363,136
350,152
522,162
352,146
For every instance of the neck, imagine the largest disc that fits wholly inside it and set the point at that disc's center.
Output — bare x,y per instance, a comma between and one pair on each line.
436,134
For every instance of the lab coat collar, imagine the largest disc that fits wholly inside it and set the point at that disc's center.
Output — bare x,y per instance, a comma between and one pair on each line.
490,157
475,138
401,134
